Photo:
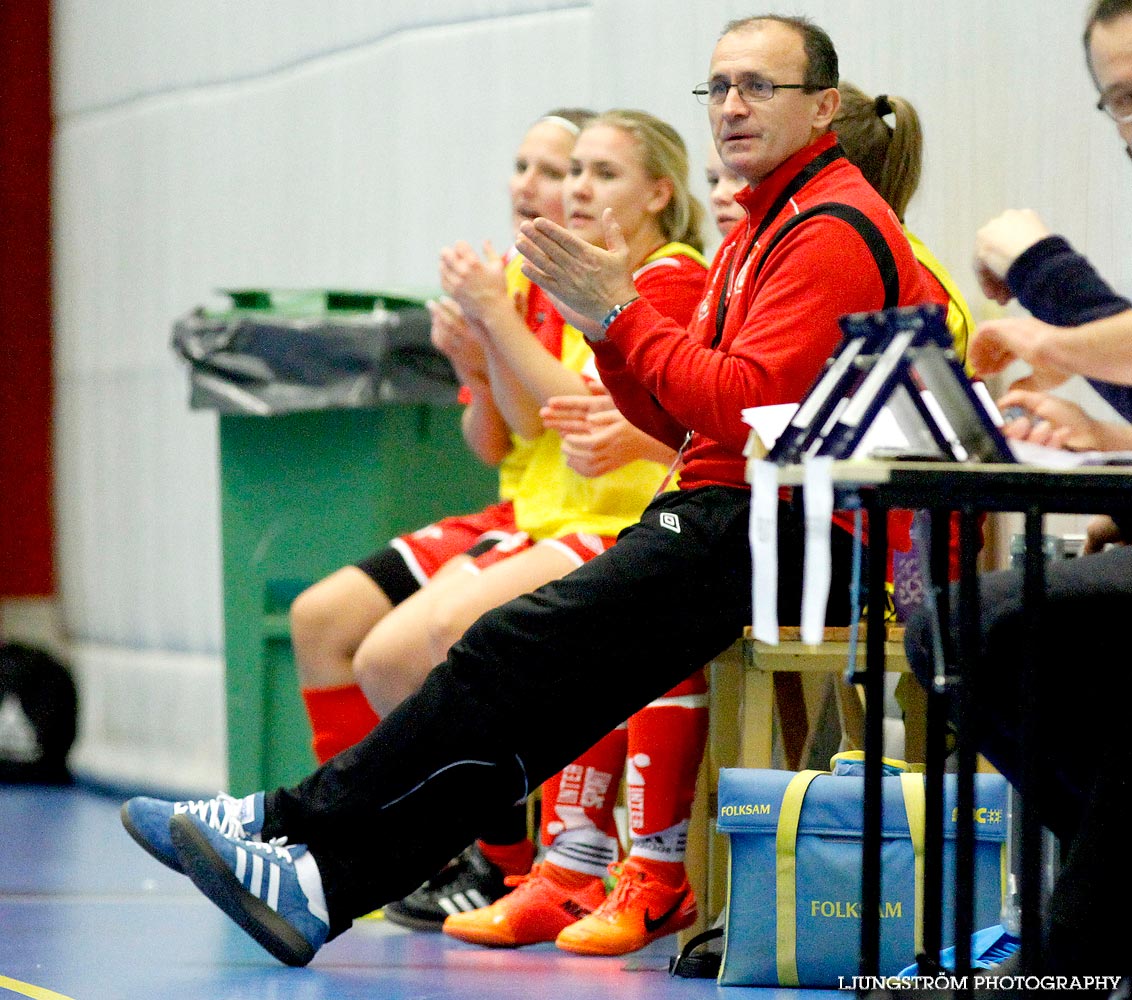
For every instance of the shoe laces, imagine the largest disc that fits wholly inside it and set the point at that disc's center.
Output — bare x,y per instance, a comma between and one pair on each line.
219,814
517,880
524,883
277,847
630,882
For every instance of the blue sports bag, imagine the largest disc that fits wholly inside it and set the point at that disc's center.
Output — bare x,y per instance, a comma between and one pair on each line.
794,881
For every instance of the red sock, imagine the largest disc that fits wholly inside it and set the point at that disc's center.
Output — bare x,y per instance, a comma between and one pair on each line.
511,859
666,743
584,793
339,716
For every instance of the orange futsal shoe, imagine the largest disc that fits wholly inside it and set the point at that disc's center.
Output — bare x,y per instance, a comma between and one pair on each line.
537,909
639,910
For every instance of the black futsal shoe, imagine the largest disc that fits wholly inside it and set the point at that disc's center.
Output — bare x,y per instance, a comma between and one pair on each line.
466,883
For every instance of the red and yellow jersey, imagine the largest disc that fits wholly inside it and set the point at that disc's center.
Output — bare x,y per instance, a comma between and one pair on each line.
543,321
961,325
552,500
960,322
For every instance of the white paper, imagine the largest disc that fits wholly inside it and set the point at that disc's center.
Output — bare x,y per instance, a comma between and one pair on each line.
770,421
1045,457
764,550
818,566
883,432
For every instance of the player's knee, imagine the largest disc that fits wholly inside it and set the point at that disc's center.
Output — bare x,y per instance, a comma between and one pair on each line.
312,619
385,681
370,667
446,624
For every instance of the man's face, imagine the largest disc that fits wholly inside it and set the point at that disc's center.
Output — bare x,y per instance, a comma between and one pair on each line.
1110,50
753,139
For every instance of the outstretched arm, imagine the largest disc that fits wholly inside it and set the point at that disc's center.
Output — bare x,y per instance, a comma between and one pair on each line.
1016,255
1101,350
998,343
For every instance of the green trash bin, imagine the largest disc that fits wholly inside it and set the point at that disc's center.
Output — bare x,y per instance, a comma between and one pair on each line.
306,491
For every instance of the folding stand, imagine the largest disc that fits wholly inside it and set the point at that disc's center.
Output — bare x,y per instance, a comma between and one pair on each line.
890,358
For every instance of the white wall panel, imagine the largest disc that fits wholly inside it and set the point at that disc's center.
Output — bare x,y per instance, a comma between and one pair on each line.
149,720
350,169
115,52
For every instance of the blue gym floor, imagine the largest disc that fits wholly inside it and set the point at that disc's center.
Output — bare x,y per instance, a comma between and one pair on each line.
86,915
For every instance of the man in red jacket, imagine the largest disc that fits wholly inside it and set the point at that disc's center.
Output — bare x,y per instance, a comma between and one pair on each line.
515,701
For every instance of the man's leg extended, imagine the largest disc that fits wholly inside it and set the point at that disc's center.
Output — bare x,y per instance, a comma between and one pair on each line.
530,686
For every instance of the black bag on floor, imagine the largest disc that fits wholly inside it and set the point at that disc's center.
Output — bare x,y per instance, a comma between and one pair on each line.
38,715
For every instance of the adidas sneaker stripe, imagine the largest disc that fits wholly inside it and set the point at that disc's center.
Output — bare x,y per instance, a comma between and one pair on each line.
254,883
461,902
273,888
255,887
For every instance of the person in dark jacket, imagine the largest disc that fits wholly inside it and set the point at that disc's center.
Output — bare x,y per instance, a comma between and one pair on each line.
1084,687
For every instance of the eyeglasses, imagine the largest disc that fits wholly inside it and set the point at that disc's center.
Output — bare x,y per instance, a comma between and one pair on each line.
1117,104
752,89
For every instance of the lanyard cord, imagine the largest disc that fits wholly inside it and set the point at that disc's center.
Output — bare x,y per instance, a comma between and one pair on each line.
802,178
674,467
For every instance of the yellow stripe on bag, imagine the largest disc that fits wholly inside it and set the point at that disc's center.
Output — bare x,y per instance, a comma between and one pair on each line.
912,787
786,877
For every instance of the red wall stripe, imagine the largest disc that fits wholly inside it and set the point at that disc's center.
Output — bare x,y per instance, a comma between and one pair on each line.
26,510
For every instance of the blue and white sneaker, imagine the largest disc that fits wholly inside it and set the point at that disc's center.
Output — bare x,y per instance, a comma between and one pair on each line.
273,892
147,820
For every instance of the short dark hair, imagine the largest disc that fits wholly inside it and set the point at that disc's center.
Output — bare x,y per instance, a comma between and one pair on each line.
1102,12
821,56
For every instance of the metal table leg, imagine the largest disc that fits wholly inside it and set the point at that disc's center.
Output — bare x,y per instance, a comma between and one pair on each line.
874,744
965,701
1030,876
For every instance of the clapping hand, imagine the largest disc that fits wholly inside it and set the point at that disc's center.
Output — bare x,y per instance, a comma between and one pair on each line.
587,279
596,438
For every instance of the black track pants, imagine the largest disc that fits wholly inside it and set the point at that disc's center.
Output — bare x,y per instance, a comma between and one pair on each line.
530,686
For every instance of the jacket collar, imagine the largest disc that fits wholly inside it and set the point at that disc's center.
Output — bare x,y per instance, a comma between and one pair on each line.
756,200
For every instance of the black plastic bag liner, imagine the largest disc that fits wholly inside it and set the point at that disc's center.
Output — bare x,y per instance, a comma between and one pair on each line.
282,351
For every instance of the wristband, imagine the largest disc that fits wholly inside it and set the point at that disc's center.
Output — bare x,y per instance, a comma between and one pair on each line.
614,313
